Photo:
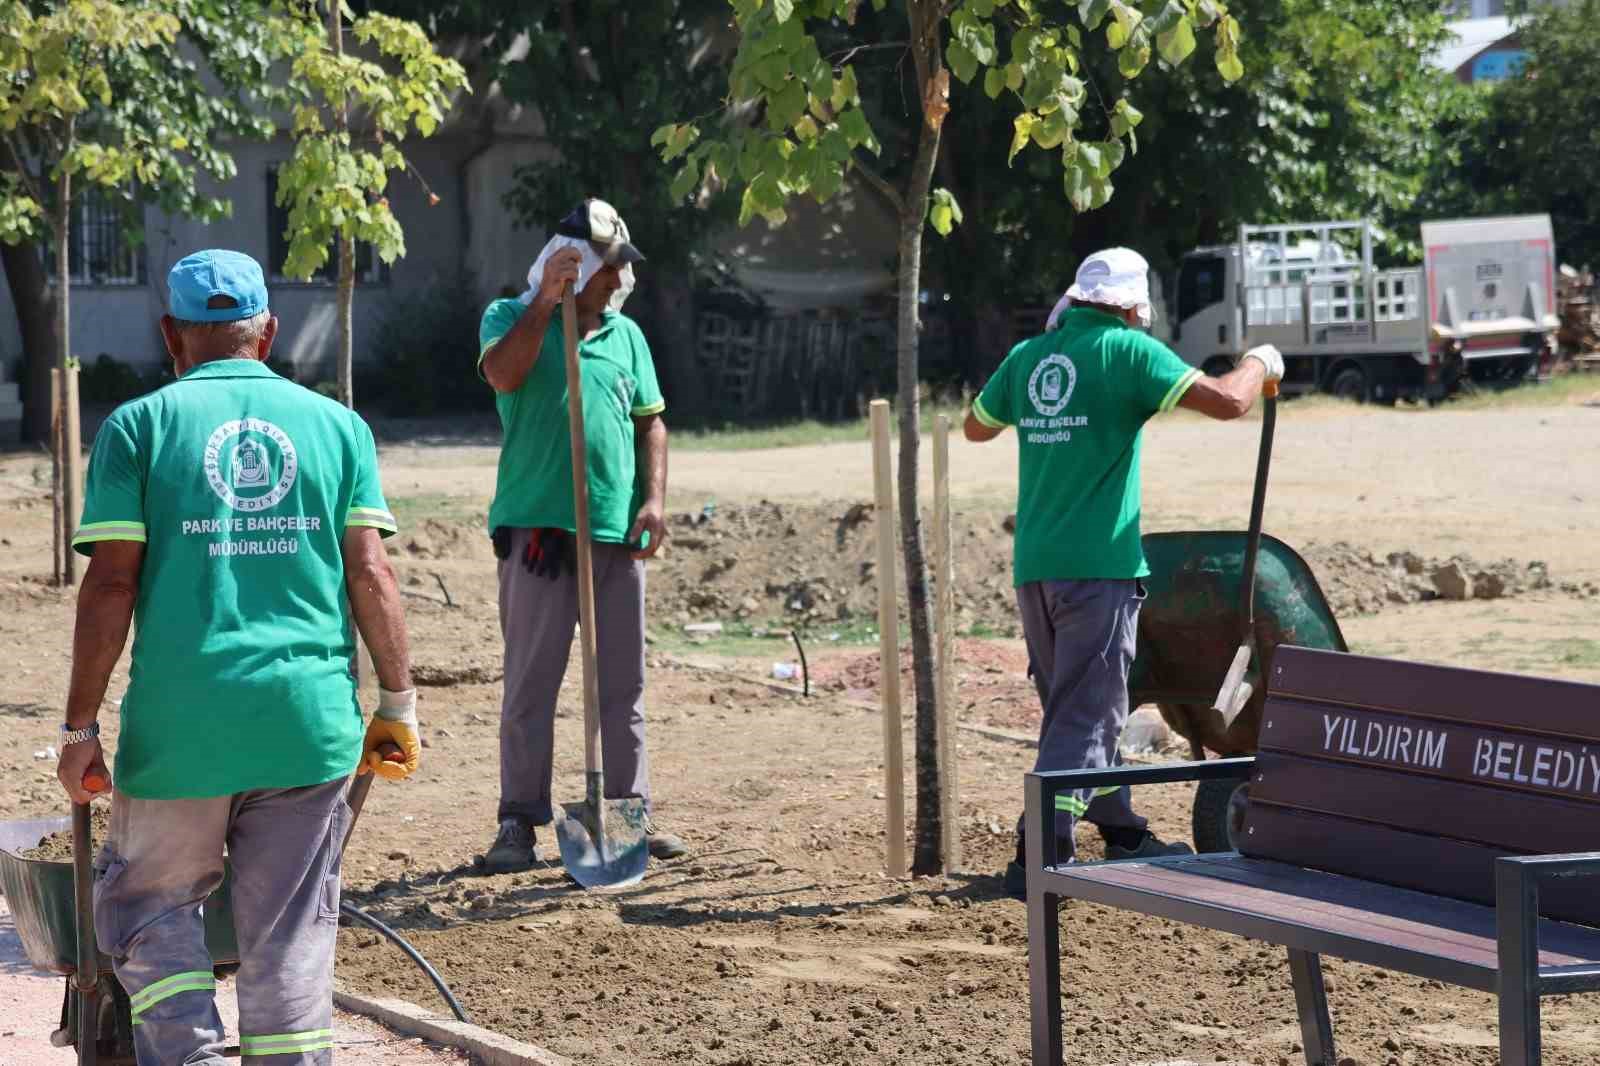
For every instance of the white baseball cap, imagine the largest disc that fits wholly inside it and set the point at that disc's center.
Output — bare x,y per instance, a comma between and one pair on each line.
1115,277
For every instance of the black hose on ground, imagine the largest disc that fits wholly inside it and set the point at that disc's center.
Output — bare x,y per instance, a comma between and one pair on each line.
350,910
805,669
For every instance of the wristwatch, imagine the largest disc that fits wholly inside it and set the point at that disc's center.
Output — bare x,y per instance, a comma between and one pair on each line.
78,736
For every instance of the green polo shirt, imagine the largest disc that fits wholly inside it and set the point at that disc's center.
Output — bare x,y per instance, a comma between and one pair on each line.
1079,397
240,484
533,487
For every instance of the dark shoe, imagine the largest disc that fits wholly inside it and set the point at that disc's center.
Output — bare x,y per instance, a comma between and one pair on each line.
663,845
514,848
1016,881
1148,848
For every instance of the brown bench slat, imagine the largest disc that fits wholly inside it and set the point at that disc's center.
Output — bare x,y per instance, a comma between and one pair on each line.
1536,825
1437,865
1493,700
1518,764
1392,918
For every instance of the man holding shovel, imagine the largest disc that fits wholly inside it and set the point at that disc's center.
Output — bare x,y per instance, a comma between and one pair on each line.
237,518
533,517
1079,396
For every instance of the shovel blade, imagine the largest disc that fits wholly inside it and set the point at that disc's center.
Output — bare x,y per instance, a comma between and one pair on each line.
613,858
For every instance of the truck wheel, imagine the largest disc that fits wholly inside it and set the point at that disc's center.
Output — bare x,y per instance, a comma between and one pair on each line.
1219,815
1349,383
1218,365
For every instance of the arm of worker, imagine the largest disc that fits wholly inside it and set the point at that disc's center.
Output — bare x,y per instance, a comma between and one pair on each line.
1234,393
375,602
506,358
991,410
650,433
105,614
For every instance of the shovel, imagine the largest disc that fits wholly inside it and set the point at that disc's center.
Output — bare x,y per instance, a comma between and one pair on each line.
602,840
1239,683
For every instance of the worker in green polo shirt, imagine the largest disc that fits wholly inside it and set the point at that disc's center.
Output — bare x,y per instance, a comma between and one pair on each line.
1079,396
531,520
235,519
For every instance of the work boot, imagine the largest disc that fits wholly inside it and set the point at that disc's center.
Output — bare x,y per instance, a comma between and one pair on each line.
663,845
514,848
1149,847
1016,875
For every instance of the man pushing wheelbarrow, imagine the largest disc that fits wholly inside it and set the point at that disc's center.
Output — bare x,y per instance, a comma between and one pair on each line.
236,518
1080,395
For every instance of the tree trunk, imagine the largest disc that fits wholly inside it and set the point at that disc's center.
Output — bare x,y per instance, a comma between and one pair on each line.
346,288
926,857
29,281
347,301
66,493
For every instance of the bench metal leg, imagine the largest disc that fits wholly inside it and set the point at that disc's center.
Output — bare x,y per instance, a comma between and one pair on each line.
1311,998
1044,929
1516,915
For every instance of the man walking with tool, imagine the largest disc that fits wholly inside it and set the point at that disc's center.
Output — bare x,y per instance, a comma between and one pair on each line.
237,517
1079,396
532,519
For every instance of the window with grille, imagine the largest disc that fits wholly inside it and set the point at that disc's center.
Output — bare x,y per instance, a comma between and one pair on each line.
369,268
100,249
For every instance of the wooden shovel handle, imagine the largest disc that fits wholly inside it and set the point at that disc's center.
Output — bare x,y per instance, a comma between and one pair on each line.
580,502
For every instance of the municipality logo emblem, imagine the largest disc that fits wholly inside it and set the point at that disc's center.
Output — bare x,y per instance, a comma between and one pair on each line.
250,464
1051,384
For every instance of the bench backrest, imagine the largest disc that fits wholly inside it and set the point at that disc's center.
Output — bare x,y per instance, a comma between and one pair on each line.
1421,776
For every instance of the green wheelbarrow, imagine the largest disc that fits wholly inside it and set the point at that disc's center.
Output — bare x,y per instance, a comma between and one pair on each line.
1219,606
1189,630
51,908
44,905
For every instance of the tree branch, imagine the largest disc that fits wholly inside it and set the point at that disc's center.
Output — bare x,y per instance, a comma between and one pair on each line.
848,54
880,184
22,170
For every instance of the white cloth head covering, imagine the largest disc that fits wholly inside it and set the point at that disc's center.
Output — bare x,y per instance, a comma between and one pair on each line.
591,265
1116,277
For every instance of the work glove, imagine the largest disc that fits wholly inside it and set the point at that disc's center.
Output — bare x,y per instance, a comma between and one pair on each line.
1270,358
394,723
550,553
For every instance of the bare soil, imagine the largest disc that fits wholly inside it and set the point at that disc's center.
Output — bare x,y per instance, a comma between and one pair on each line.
57,847
780,939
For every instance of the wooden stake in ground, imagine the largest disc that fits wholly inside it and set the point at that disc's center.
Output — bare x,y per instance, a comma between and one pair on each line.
888,646
944,633
58,459
72,474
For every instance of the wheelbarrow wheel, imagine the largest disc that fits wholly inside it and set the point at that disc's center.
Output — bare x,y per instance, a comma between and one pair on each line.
1219,815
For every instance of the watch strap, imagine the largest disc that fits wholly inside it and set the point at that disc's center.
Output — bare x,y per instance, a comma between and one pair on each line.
79,736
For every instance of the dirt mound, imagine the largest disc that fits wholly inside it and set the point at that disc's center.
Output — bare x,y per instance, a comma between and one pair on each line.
434,538
1357,581
57,847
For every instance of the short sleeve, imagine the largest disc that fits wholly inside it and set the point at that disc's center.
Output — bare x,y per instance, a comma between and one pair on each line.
994,406
1160,377
367,505
113,501
647,399
498,318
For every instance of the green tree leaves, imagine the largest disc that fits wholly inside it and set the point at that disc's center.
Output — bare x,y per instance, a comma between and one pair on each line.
811,104
333,185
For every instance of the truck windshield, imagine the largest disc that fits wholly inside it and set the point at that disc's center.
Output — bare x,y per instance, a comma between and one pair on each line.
1201,280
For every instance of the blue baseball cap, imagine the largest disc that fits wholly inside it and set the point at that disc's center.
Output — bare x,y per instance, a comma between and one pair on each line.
198,277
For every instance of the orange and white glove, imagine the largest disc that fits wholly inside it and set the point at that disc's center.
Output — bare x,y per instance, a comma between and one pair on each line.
394,723
1270,358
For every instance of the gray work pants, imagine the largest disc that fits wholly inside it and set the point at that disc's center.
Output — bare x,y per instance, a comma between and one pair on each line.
162,859
1081,637
538,617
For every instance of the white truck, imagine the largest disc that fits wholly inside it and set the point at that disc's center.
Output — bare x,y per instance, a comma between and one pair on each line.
1481,307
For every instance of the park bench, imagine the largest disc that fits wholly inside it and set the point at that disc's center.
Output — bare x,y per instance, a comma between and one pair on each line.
1426,820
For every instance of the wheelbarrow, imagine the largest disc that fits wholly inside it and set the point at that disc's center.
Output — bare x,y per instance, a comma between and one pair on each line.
1219,606
50,905
95,1014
